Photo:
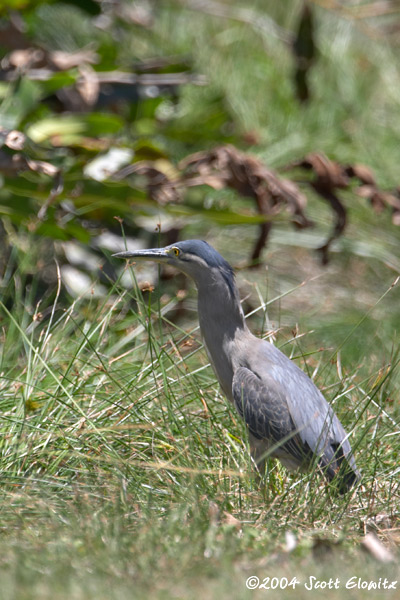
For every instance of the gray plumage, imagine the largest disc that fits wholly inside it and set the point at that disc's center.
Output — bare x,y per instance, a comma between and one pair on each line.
286,415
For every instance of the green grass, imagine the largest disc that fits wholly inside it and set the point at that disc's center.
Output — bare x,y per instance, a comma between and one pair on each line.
125,473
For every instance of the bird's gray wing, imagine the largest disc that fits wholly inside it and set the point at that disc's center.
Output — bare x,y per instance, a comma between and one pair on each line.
316,421
265,411
294,413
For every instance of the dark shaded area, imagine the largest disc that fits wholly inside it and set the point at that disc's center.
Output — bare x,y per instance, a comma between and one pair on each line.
305,53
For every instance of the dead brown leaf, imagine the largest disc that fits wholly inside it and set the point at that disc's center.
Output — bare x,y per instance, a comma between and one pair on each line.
229,519
25,58
41,166
15,140
370,193
328,177
381,199
68,60
361,172
162,186
396,218
226,166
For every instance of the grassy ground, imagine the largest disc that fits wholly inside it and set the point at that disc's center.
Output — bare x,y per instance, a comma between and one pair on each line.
125,473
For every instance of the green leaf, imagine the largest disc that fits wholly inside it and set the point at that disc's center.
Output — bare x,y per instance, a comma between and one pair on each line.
70,129
54,231
147,149
58,81
99,124
223,217
89,6
20,98
28,189
13,5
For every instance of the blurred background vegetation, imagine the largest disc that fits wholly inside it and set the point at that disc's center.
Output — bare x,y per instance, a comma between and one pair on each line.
102,101
270,129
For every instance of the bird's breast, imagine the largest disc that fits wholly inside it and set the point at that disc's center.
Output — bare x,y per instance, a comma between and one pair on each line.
227,353
221,365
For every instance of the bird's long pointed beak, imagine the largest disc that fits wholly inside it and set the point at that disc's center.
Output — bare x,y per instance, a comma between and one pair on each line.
155,254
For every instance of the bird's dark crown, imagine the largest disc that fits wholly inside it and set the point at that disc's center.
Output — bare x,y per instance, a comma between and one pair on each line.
211,257
203,250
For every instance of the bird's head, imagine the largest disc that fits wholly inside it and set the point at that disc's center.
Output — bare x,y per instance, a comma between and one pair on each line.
195,258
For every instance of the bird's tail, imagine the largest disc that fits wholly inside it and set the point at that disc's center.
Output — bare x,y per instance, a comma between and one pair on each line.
340,468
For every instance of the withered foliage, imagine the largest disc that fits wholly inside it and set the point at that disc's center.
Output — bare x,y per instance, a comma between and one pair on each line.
379,199
225,166
330,176
162,184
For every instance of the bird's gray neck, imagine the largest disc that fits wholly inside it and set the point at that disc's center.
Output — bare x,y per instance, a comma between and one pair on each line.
220,311
221,320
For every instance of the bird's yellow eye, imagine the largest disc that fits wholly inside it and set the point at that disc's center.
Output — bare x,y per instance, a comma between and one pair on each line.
176,251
